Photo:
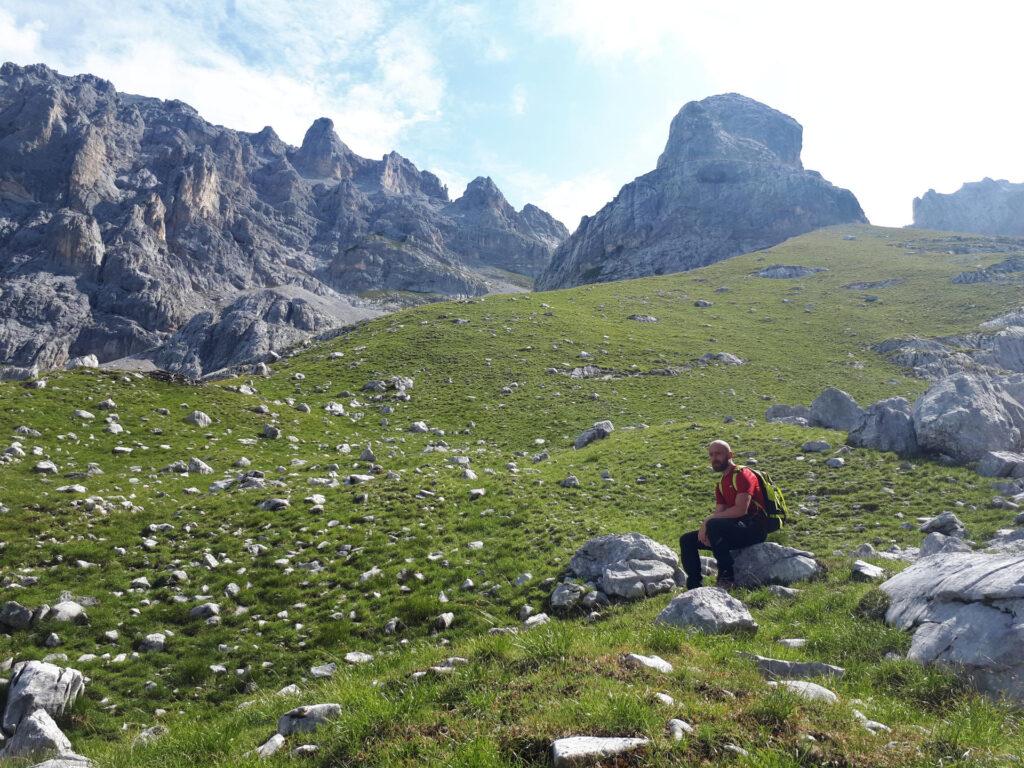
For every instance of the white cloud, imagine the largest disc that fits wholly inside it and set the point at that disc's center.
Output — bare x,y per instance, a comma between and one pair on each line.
18,42
518,99
271,63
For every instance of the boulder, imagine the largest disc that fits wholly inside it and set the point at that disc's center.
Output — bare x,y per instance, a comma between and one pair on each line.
1001,464
628,565
589,750
836,409
37,736
863,571
772,563
965,416
307,719
966,611
947,523
707,609
888,425
566,596
599,431
40,685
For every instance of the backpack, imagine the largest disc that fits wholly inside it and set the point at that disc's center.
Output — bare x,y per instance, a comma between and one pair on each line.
774,501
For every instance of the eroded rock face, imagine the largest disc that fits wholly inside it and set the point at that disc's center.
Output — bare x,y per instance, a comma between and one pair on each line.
126,217
730,181
966,611
988,207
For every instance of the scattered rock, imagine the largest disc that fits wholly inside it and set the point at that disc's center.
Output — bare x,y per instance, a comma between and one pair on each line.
599,431
588,750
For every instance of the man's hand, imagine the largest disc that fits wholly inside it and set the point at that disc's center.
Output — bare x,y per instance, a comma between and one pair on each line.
702,534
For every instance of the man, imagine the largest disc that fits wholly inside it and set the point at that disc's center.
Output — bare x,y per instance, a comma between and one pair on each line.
739,519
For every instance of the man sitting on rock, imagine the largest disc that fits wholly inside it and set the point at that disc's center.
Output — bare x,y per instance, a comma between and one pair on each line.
739,519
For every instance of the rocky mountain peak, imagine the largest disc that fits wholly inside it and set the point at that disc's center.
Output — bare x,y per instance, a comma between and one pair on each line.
323,154
483,194
735,127
730,181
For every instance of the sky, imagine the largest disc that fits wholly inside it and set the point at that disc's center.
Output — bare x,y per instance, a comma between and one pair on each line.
561,102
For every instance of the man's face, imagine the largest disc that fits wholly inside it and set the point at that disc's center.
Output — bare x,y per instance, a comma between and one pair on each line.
719,458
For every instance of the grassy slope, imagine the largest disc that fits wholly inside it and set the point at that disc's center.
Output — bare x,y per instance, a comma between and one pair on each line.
564,679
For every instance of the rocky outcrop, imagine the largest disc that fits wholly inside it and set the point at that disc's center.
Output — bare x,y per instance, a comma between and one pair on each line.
988,207
628,566
132,228
250,328
966,612
730,181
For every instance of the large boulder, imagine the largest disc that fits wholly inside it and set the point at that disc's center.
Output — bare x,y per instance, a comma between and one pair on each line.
40,685
1001,464
966,611
772,563
888,425
627,565
707,609
836,409
967,415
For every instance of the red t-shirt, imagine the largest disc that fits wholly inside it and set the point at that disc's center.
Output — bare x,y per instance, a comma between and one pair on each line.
746,482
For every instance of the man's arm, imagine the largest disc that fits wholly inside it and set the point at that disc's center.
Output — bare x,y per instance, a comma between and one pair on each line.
739,509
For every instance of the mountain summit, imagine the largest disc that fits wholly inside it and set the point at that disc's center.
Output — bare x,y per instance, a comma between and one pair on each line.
132,228
729,181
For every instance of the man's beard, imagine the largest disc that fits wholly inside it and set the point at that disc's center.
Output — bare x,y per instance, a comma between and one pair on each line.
719,466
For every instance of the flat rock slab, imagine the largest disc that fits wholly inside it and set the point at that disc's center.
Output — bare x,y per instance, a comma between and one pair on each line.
636,661
800,670
589,750
966,611
771,563
307,718
707,609
809,691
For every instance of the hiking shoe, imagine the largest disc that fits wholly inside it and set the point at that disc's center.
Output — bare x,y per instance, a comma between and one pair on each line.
695,585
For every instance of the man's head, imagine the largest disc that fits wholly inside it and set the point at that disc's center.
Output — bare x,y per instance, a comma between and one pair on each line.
720,454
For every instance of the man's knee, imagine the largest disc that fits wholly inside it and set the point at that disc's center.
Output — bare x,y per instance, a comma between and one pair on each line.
716,526
688,540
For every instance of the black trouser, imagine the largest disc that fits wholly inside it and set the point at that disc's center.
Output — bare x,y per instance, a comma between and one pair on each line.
724,534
